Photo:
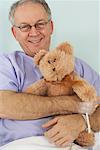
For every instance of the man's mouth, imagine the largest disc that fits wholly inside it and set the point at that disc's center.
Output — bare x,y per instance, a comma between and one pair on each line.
35,41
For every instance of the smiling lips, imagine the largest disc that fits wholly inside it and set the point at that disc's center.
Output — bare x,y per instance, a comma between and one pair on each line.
36,39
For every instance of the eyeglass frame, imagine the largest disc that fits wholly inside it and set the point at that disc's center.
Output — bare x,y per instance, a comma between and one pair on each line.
35,25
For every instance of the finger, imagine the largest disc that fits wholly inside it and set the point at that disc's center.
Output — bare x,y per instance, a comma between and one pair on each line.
51,132
56,137
60,141
50,123
67,143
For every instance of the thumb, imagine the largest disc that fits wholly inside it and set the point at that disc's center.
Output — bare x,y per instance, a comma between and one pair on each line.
50,123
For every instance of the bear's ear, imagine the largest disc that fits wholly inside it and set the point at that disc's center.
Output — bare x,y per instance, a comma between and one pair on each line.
66,47
39,56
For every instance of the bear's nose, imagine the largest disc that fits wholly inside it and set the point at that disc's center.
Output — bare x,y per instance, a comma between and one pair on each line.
53,69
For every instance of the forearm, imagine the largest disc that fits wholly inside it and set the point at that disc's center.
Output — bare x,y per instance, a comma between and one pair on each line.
23,106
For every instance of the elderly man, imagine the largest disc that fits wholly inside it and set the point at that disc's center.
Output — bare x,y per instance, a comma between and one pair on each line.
32,27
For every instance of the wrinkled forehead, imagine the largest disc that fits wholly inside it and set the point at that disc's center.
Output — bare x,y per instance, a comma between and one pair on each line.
30,12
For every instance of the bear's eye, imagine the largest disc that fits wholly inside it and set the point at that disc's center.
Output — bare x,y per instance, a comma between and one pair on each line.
55,60
49,61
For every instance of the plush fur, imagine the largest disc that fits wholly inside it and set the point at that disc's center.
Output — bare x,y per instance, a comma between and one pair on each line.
59,78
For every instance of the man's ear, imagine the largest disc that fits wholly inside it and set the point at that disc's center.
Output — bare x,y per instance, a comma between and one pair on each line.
66,47
13,31
52,26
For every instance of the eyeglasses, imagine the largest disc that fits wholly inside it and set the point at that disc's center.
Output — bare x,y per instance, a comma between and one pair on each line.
38,26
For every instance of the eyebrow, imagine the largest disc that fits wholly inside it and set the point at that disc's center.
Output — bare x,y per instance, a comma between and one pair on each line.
40,20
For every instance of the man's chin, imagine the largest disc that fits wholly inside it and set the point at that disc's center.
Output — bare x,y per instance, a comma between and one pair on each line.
35,50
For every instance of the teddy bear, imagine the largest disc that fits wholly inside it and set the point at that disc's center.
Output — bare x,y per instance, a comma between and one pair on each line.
59,78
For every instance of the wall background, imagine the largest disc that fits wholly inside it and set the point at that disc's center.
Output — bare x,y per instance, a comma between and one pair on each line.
76,21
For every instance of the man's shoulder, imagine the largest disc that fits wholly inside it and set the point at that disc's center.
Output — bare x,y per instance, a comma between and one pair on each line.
14,57
10,55
82,66
15,61
80,62
13,54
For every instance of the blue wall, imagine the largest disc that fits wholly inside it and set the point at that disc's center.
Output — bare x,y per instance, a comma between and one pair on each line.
76,21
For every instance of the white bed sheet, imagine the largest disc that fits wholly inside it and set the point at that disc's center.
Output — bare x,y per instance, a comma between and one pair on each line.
41,143
34,143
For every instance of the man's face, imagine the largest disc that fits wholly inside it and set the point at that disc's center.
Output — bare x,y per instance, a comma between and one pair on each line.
36,38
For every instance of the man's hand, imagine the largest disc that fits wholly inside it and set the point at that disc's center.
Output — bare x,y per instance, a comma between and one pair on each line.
64,129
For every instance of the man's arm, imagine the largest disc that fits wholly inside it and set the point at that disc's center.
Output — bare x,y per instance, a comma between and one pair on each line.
23,106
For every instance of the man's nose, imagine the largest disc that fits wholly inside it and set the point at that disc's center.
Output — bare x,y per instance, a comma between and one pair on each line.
33,31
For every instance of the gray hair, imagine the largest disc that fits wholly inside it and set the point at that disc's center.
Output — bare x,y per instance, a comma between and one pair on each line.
20,2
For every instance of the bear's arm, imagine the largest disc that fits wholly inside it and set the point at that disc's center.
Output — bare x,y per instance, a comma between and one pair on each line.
83,89
95,120
38,88
86,92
